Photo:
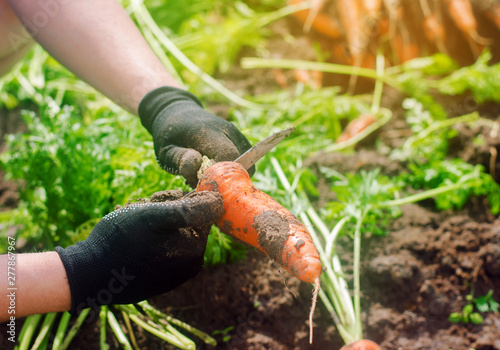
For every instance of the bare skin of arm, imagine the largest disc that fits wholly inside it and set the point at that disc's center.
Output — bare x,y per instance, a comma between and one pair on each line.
41,282
97,41
15,41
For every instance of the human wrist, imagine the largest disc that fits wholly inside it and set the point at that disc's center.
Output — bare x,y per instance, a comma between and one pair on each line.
83,272
42,284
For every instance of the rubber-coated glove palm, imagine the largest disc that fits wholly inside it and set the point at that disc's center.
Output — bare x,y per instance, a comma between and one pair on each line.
140,250
183,131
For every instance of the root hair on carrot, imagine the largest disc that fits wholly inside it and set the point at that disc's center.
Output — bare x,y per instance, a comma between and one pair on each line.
313,307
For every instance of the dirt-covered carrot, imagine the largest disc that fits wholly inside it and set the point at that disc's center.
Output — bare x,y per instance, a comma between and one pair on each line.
256,219
363,344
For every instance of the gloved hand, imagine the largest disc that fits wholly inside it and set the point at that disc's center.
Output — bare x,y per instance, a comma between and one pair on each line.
140,250
183,131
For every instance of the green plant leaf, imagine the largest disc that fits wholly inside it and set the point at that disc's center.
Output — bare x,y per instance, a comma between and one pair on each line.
481,79
455,317
467,310
476,318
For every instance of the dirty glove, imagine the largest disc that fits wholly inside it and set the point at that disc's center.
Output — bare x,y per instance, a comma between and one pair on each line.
183,131
140,250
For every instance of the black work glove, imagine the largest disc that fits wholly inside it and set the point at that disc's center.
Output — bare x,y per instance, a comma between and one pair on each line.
183,131
140,250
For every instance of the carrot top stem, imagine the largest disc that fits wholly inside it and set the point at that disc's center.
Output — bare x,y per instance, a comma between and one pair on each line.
205,164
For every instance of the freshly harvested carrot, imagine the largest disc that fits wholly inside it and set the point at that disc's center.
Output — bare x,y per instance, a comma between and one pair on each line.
371,7
321,23
339,54
434,30
370,61
356,126
280,78
255,218
316,6
363,344
310,78
317,79
404,49
352,21
326,25
302,76
394,9
351,18
383,25
462,14
493,14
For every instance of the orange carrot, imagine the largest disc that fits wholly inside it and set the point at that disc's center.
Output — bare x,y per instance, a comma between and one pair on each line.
383,25
310,78
255,218
371,16
322,23
493,14
360,123
280,78
302,76
394,10
316,6
372,7
357,38
433,26
326,25
433,29
339,54
317,79
363,344
356,126
462,14
405,51
370,61
351,19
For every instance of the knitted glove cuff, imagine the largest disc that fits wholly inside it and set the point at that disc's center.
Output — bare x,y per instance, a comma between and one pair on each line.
85,277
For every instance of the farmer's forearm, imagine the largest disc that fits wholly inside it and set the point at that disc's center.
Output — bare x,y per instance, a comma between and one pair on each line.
97,40
9,61
41,285
14,42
